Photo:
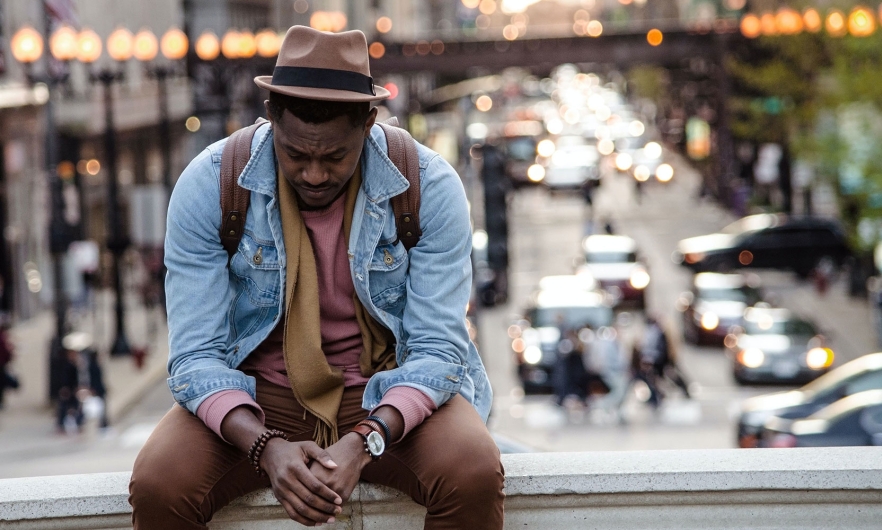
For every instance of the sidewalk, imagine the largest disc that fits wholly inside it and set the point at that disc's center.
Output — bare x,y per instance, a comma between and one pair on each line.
27,421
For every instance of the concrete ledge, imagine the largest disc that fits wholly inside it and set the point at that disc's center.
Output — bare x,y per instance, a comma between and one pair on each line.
771,488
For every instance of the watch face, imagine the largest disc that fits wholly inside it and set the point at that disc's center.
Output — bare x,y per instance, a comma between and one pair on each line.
375,444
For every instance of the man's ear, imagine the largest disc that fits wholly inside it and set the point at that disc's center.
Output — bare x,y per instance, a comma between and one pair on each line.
372,118
269,116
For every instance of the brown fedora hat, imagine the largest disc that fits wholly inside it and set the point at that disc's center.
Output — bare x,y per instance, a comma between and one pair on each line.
315,64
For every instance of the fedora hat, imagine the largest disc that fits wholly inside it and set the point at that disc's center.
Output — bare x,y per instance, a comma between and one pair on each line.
315,64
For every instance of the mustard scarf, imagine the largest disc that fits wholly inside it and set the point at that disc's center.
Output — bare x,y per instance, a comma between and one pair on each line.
318,386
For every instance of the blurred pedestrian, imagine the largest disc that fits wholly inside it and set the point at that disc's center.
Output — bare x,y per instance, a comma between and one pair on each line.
69,409
569,377
604,358
657,361
7,353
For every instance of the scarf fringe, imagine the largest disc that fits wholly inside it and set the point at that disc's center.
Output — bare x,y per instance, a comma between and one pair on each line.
324,435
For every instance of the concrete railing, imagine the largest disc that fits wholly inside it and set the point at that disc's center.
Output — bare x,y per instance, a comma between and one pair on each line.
713,489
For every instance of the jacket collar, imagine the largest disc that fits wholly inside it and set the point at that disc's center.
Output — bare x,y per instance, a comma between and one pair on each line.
380,178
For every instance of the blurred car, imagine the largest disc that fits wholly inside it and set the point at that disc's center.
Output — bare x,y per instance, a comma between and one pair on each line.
863,373
773,241
853,420
520,154
773,346
715,303
572,164
613,262
535,338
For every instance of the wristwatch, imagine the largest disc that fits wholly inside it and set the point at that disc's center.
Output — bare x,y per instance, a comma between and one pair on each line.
374,444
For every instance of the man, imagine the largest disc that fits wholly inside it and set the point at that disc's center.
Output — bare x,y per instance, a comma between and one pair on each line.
279,353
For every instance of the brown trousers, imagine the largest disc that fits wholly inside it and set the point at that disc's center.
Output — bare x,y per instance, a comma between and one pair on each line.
449,464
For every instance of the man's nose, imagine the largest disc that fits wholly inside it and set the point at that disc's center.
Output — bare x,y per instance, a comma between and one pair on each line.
314,174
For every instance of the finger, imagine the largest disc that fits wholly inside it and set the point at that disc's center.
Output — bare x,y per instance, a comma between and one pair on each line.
316,502
319,455
293,515
303,476
307,512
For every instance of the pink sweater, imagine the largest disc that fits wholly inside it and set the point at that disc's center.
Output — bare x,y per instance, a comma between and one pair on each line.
341,335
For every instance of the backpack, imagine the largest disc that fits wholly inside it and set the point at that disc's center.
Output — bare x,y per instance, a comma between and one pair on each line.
234,199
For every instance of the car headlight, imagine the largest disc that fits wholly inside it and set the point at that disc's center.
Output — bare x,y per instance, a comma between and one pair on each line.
751,357
532,355
639,279
819,358
710,321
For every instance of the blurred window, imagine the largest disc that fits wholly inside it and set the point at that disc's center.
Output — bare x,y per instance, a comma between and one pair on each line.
781,327
611,257
866,381
871,420
572,317
748,295
823,237
523,149
750,224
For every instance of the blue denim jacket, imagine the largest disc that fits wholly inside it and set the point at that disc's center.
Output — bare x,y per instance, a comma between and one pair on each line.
218,314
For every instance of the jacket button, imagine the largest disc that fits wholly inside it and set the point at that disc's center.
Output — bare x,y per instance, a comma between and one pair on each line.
233,218
406,219
232,232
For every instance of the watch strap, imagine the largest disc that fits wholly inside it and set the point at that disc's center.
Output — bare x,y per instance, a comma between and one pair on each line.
366,430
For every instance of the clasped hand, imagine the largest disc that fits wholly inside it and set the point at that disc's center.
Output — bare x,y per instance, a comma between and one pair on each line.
311,483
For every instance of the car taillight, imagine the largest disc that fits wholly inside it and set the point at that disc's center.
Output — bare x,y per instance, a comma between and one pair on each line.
782,440
747,441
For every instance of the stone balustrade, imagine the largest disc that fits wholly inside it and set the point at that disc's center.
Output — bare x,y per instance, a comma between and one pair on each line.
818,488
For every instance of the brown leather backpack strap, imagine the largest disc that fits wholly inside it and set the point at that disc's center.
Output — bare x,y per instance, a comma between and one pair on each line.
233,198
406,206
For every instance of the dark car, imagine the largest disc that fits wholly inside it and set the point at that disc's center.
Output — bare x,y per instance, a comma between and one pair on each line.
853,420
520,154
861,374
770,241
535,338
774,346
715,304
615,265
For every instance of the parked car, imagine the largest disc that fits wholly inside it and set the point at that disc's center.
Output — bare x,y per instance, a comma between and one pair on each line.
614,263
520,154
863,373
536,336
715,303
774,346
853,420
772,241
573,164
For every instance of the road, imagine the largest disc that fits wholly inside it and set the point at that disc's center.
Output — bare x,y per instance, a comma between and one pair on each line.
545,235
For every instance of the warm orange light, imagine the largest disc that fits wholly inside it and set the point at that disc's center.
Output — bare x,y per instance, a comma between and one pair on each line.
174,44
267,42
510,32
471,4
27,45
750,26
437,47
812,20
788,21
768,25
119,44
146,45
207,46
487,7
654,37
745,257
484,103
93,166
247,46
594,28
63,43
384,24
861,22
835,23
230,44
328,21
88,46
376,50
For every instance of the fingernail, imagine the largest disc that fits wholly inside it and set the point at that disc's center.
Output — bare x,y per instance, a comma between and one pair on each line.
338,500
337,510
332,463
331,520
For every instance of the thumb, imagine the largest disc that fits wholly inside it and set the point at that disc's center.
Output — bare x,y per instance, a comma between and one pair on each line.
314,452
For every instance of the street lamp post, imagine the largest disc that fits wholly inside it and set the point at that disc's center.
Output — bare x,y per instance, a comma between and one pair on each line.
120,46
27,48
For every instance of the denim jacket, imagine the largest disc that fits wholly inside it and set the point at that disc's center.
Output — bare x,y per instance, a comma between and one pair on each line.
219,313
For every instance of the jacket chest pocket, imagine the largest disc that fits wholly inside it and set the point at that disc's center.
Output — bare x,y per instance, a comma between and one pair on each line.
256,268
388,274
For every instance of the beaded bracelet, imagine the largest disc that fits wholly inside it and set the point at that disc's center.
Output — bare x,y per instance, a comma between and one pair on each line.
259,445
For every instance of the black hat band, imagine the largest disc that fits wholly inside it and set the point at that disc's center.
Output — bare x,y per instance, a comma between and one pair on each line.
307,77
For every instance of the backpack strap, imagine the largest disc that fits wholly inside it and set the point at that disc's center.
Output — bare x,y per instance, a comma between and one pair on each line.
233,198
402,151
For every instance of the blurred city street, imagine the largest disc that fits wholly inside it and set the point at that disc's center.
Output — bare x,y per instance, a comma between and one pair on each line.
722,144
